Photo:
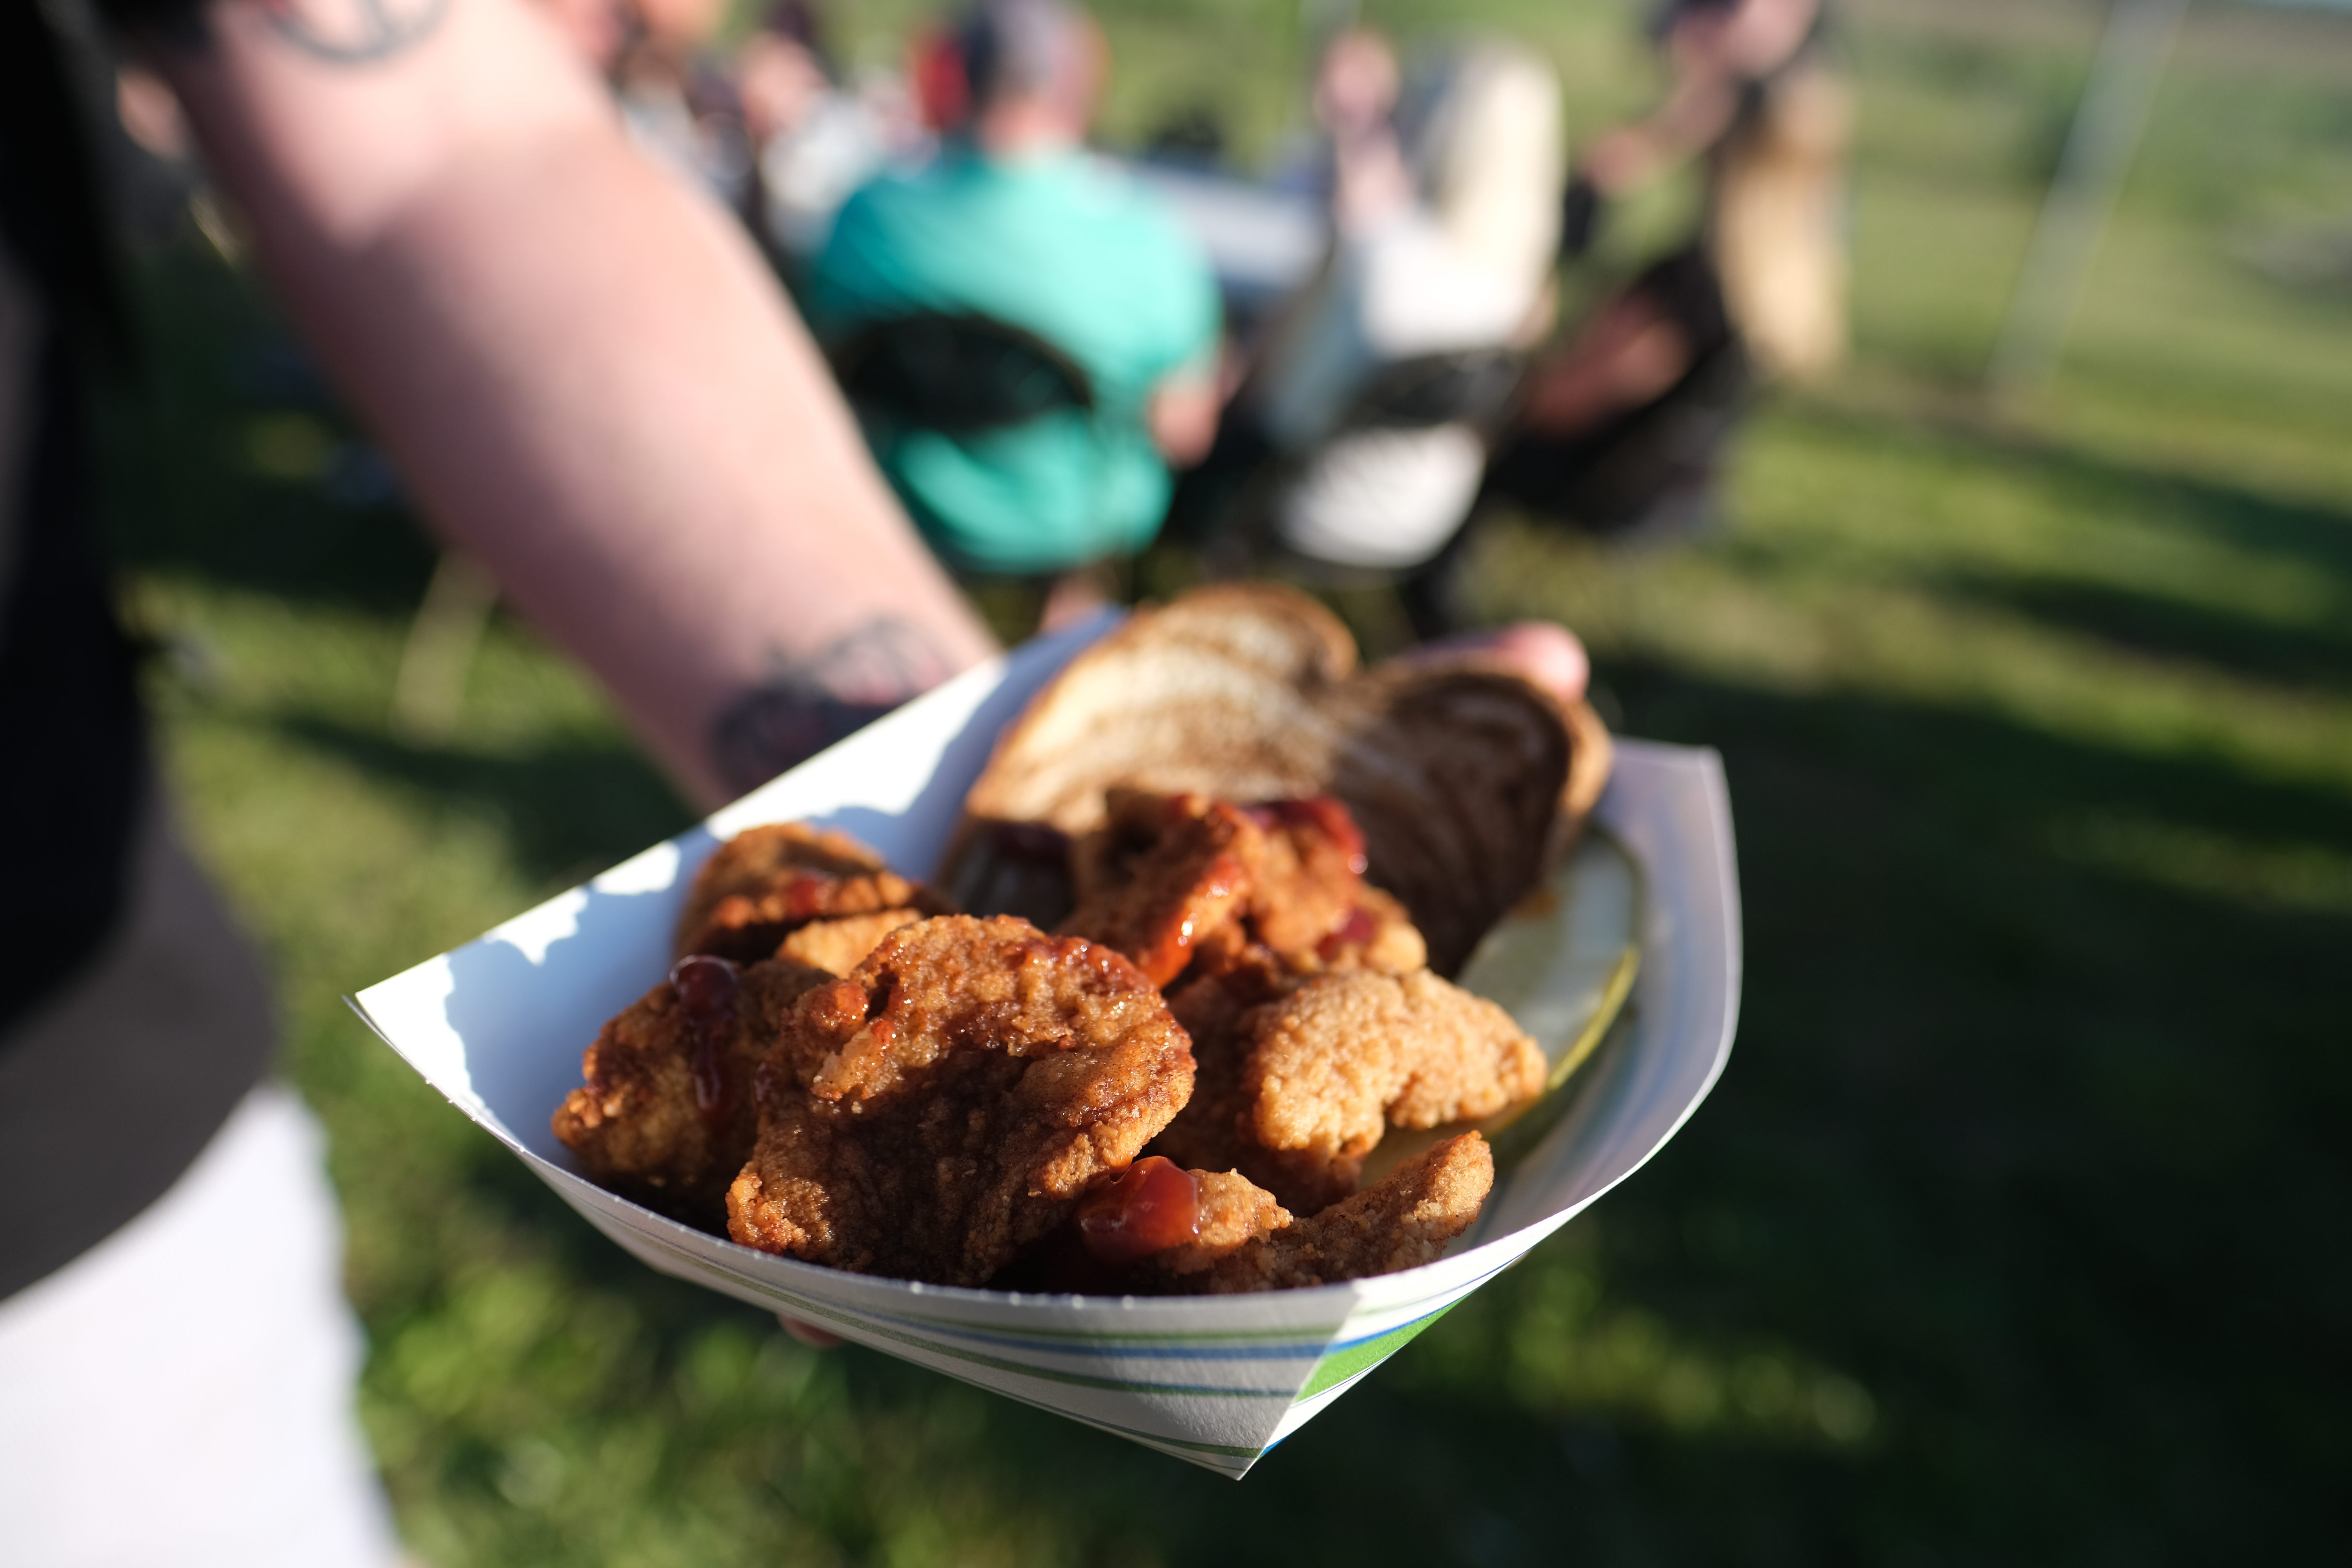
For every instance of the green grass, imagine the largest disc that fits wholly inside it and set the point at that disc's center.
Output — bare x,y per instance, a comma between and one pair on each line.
2013,1233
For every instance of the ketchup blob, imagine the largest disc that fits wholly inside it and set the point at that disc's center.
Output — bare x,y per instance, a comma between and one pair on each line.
706,988
1149,1207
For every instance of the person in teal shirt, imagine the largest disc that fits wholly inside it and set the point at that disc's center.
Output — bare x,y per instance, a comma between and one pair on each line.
1013,221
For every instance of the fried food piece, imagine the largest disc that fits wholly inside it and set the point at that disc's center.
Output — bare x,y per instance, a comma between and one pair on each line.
1165,874
667,1114
1158,1227
1306,867
756,860
1344,1055
837,946
946,1104
1298,1078
1140,1227
1180,882
1400,1222
766,882
1189,1223
1376,934
1216,1130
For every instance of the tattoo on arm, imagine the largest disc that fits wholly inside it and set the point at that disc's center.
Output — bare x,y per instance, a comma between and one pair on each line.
809,702
353,32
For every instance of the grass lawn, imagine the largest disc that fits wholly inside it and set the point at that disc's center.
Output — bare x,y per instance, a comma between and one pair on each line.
2007,1235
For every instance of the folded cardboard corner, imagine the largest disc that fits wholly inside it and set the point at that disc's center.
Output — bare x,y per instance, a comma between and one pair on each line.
498,1025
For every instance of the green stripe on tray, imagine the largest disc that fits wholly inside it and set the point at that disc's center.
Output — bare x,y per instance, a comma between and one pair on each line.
1342,1364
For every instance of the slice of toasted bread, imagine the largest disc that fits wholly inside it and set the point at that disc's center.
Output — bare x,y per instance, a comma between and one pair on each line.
1223,691
1466,781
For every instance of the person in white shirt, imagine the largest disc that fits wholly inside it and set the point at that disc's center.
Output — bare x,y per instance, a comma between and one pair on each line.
1444,210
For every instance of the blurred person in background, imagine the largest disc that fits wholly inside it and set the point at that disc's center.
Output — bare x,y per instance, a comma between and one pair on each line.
814,140
674,94
1359,437
1757,96
1622,429
1030,339
678,99
1620,433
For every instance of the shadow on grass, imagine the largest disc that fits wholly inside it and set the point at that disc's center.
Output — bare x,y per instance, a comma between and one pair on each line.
2316,654
570,810
2312,532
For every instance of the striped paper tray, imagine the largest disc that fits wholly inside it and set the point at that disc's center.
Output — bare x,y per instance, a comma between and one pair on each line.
499,1025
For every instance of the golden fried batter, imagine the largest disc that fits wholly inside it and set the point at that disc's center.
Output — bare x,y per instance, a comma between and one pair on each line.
1165,874
1402,1222
765,882
1306,869
1180,882
837,946
642,1125
947,1102
1377,934
1216,1130
1230,1213
1333,1062
1296,1079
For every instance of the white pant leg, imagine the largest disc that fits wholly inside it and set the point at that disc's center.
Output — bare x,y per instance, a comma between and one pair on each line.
182,1393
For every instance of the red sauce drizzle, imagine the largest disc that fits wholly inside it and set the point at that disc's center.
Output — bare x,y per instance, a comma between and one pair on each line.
1320,814
1167,956
1149,1207
706,988
804,897
1360,926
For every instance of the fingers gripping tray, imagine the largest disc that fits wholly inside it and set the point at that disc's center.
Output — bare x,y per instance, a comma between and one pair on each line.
498,1025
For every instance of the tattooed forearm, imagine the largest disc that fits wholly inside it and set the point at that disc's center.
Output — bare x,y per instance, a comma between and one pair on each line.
809,702
353,32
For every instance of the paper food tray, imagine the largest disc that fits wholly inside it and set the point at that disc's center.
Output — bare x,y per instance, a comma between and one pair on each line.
499,1025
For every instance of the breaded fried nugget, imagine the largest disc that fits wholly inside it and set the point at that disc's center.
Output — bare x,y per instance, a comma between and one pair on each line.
1296,1079
1402,1222
1216,1130
1344,1055
1306,869
1376,934
1182,881
766,882
947,1102
838,946
1164,875
1230,1212
666,1114
1158,1227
